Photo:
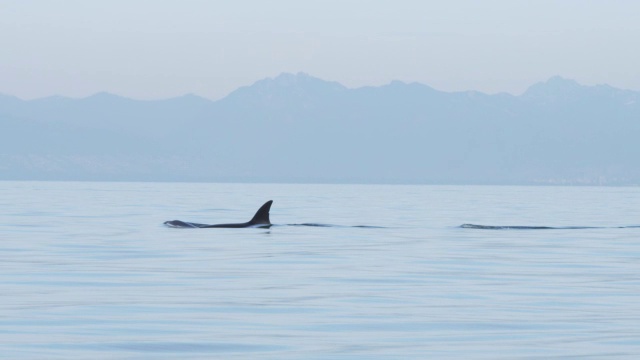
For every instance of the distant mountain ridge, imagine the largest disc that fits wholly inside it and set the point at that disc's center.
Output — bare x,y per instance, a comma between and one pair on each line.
298,128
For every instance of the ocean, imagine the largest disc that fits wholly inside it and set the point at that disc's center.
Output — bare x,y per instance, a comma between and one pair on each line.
89,271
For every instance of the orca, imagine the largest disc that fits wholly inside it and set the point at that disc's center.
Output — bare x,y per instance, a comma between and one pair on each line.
259,220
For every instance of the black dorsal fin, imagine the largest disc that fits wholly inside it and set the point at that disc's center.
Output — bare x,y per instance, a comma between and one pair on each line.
262,215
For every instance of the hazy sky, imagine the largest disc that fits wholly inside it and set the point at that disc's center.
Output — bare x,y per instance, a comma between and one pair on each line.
151,49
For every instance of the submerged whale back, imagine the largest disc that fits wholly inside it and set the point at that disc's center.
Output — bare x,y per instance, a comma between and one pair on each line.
260,220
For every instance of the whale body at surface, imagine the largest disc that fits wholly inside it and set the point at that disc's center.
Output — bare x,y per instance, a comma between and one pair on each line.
259,220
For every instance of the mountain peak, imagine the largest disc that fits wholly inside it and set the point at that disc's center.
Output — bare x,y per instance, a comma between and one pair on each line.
560,82
285,87
285,76
299,79
555,87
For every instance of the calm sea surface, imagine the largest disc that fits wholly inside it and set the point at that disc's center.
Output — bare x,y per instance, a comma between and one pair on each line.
88,271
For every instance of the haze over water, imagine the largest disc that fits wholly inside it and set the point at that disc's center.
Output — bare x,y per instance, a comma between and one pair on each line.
89,271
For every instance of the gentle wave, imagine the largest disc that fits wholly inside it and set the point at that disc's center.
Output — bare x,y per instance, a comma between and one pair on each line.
336,226
516,227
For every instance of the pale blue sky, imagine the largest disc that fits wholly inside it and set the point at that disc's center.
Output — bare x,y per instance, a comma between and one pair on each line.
151,49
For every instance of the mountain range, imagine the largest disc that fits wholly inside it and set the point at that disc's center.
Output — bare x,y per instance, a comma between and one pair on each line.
298,128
